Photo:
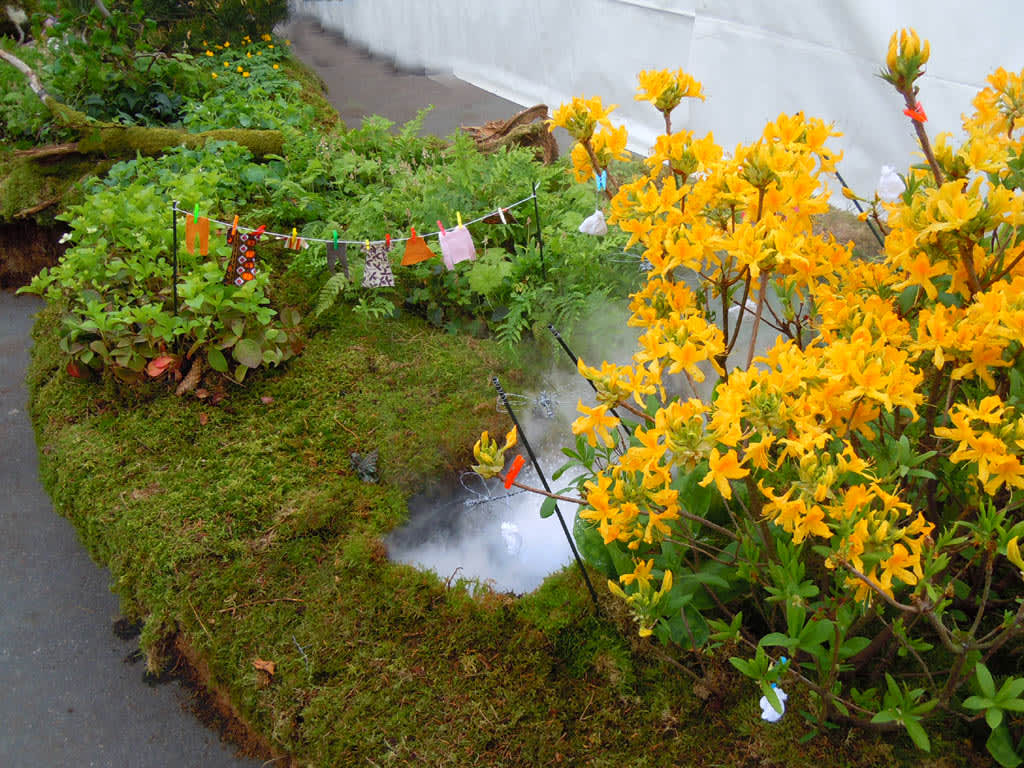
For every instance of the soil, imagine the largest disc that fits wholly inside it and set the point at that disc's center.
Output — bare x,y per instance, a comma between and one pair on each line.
25,248
213,707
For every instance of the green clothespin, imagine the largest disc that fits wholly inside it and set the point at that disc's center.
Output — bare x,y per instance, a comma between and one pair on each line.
335,239
195,215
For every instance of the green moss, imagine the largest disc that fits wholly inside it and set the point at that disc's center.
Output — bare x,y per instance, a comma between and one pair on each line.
243,526
25,184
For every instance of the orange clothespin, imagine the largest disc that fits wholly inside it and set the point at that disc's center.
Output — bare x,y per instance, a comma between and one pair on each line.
234,230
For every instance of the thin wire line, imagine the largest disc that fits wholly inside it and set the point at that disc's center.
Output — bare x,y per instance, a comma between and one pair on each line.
281,236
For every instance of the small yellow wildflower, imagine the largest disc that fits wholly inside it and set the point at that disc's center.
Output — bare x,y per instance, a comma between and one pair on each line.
245,74
276,66
226,64
209,53
240,69
213,75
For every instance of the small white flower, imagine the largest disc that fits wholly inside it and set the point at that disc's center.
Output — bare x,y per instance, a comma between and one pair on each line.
65,238
768,712
890,185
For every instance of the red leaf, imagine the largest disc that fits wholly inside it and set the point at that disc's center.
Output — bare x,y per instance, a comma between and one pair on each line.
73,369
160,365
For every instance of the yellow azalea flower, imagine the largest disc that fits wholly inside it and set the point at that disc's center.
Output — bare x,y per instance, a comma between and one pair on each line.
491,458
641,573
722,469
1013,554
595,424
666,89
581,117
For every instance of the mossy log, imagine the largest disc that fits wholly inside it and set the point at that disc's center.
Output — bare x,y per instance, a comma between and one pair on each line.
114,140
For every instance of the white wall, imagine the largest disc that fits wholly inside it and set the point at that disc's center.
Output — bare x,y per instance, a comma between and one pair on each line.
756,59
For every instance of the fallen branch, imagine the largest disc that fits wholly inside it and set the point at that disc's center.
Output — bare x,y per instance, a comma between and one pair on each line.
114,140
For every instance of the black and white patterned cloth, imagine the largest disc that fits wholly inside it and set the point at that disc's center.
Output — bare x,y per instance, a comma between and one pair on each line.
377,273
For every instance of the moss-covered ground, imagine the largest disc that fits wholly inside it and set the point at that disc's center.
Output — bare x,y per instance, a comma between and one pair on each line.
241,526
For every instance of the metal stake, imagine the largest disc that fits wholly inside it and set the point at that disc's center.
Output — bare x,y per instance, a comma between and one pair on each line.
878,237
544,481
540,235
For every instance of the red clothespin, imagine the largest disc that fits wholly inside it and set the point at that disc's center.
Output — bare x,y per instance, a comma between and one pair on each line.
259,231
513,472
917,113
441,227
413,230
387,241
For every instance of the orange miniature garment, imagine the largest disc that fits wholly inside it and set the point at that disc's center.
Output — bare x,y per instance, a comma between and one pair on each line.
197,230
416,250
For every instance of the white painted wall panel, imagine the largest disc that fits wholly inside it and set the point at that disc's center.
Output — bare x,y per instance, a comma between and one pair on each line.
756,59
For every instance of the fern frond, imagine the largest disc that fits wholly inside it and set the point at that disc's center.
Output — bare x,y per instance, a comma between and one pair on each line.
329,293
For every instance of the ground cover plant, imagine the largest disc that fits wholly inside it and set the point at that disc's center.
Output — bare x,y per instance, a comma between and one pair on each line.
842,516
235,523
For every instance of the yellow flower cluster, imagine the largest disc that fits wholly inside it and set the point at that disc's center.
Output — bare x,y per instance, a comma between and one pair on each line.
581,117
490,456
865,350
666,89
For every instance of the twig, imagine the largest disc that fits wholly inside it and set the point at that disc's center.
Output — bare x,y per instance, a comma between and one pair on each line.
542,492
234,608
194,611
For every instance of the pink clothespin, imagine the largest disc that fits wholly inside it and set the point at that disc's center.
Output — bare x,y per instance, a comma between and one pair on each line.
441,227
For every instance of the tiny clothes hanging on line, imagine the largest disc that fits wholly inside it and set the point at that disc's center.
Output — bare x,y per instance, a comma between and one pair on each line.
456,246
337,257
377,273
242,264
594,224
197,232
416,250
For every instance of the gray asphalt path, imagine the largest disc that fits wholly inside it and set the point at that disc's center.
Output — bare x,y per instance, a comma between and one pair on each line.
359,84
67,695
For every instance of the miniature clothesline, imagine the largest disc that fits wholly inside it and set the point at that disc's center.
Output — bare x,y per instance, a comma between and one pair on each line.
280,236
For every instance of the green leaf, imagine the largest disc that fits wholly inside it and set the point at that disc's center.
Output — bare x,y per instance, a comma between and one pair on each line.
994,717
217,360
1000,746
985,681
978,702
917,734
248,353
547,509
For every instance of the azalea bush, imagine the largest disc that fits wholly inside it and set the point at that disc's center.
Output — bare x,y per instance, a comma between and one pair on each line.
843,513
